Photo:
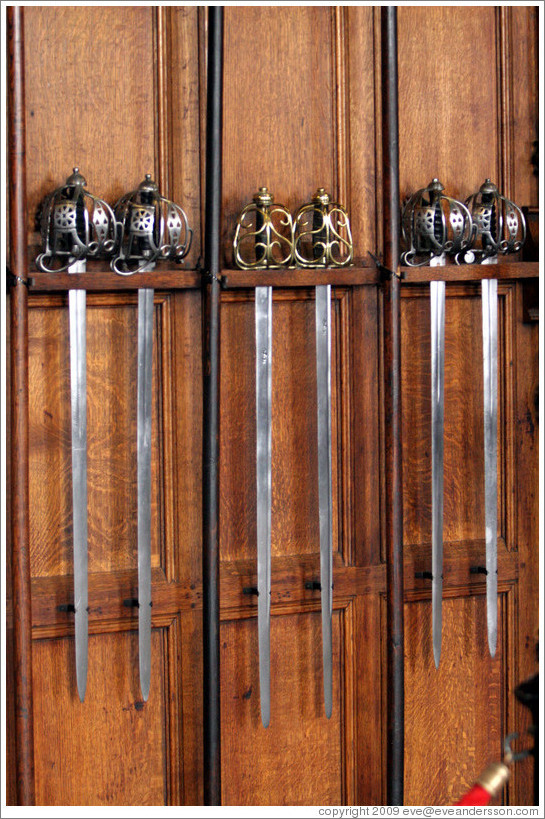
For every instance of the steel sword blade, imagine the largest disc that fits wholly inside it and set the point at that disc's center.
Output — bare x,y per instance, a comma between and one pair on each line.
263,372
437,301
78,396
489,290
323,383
144,389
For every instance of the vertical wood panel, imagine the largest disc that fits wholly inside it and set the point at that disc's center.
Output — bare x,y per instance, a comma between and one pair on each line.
296,760
90,98
464,460
111,412
448,105
279,106
454,713
183,99
110,749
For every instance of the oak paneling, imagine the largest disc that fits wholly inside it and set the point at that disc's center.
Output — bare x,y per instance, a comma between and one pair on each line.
453,714
463,447
109,750
90,98
279,108
111,434
448,105
297,759
295,527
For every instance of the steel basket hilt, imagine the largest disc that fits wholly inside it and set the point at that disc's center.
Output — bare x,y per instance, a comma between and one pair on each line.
75,225
434,224
149,228
499,224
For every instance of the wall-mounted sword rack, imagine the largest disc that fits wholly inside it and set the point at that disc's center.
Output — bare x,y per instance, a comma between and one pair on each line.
98,277
436,226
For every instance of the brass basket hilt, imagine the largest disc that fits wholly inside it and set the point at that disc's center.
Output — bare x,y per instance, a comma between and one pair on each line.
322,233
264,234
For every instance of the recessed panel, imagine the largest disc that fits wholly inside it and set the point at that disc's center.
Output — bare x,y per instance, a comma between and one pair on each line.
110,749
294,515
463,428
298,759
453,714
111,438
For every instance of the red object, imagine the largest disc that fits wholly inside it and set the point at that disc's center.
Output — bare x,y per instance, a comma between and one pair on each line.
476,796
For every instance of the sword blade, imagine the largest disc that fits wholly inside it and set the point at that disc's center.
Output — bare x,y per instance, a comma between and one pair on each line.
78,394
490,385
263,373
145,351
323,383
437,299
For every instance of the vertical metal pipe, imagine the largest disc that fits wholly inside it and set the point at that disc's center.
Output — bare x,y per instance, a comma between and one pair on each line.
211,296
22,614
392,397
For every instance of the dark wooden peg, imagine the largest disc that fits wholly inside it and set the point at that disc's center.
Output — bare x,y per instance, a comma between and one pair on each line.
68,607
423,575
250,590
478,570
313,585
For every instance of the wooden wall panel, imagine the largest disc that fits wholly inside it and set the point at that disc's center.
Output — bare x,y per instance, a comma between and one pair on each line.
111,431
109,750
90,79
294,429
463,455
297,759
179,114
279,114
448,106
453,714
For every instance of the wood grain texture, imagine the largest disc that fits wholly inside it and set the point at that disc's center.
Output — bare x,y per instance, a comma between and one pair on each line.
121,92
294,431
463,456
448,104
453,714
279,107
274,766
90,98
111,424
97,752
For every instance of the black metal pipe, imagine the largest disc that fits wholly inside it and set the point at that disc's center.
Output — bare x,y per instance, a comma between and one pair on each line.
392,398
211,299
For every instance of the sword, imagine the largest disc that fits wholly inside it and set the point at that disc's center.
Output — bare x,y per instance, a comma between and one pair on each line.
499,227
437,304
144,391
436,224
150,227
70,234
78,391
323,238
489,289
263,372
323,384
260,241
